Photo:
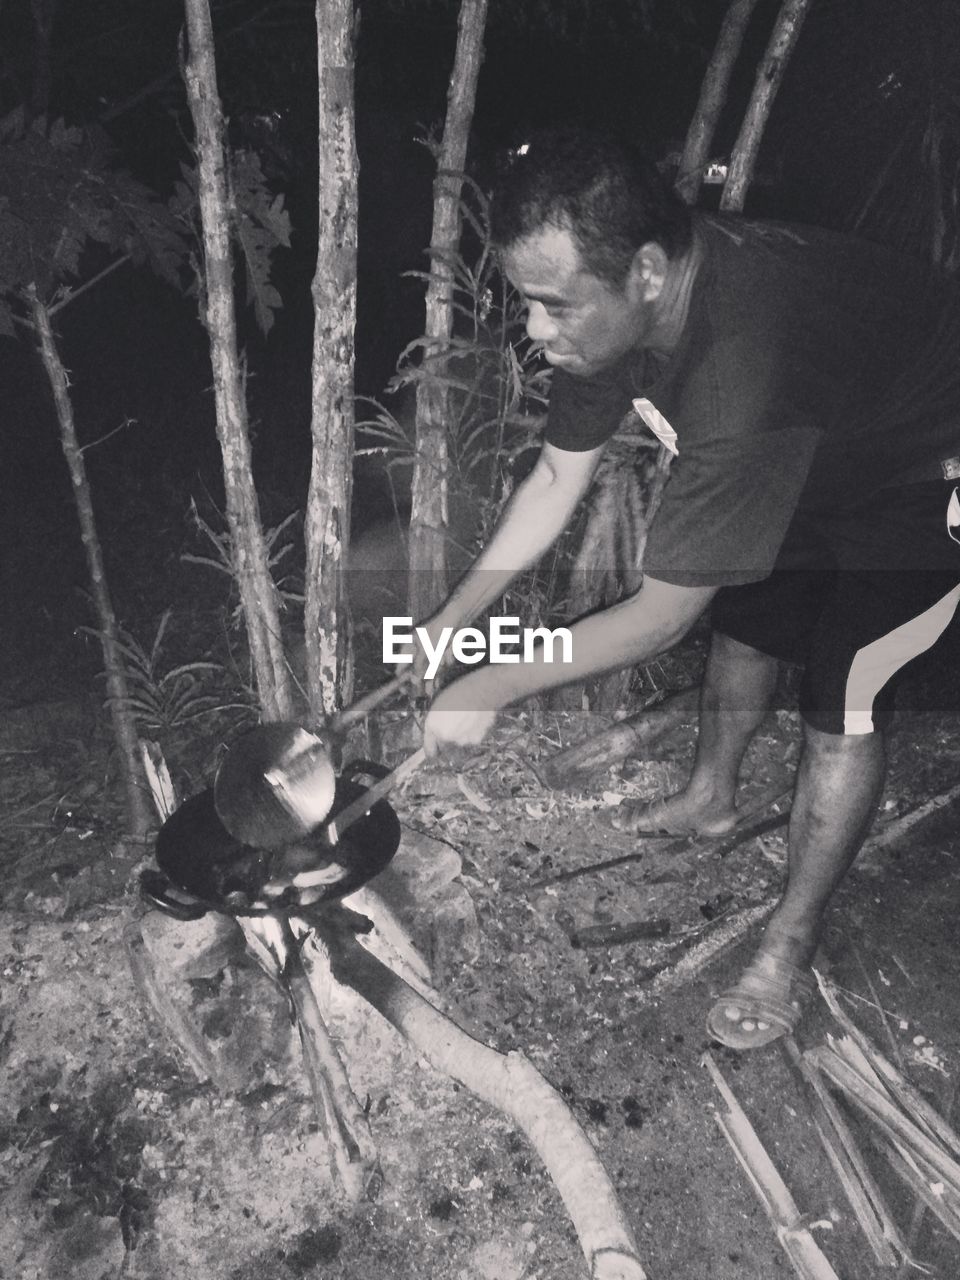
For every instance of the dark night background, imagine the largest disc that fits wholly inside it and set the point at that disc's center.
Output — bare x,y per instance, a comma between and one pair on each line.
869,103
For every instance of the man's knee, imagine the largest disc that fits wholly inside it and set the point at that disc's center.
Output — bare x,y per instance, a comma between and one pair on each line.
724,648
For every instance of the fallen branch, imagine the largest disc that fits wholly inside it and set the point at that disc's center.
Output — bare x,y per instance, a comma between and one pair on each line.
509,1083
620,740
798,1244
698,957
898,828
617,934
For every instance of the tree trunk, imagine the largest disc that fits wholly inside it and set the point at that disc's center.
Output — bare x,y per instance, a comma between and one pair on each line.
713,96
138,815
327,526
258,594
428,518
769,74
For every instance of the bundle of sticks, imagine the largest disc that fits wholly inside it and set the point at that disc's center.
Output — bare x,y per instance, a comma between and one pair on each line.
912,1136
900,1123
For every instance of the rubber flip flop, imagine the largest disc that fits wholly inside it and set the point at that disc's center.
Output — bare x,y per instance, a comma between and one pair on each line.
771,990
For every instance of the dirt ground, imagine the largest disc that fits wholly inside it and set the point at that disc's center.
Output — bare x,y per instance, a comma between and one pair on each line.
116,1160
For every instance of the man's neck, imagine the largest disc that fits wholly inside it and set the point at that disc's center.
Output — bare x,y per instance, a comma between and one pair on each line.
673,305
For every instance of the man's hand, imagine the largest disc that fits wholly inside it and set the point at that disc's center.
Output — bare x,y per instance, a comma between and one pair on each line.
458,717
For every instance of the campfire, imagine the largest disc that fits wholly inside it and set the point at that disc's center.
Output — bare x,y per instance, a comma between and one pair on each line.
289,852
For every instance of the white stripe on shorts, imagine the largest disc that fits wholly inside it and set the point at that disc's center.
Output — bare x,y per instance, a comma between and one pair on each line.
874,665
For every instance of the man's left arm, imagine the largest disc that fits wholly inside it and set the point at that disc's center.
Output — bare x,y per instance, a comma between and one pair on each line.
634,631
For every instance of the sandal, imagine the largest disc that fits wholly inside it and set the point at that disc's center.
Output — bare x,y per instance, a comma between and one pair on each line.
765,1004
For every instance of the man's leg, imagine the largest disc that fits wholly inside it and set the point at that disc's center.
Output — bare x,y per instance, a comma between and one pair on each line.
839,782
873,627
738,686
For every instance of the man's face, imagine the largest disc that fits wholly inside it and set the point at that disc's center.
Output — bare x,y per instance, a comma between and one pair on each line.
583,323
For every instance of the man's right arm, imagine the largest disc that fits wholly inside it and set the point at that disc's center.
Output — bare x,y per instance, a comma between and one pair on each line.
531,522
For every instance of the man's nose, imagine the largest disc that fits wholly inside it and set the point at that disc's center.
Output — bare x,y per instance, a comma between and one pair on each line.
540,328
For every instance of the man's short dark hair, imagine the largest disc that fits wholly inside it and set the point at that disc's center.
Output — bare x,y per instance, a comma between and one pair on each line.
606,194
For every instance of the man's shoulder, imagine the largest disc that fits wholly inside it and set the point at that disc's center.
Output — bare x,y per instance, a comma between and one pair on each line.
770,242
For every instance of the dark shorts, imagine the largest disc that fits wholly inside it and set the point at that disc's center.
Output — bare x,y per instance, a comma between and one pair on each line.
855,600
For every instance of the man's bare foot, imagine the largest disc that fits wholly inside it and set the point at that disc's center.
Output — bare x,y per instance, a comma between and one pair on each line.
682,814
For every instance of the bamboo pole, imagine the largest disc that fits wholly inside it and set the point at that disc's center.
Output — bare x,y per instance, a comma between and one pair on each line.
805,1255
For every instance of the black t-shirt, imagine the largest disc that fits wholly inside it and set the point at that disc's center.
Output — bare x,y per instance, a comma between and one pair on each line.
814,370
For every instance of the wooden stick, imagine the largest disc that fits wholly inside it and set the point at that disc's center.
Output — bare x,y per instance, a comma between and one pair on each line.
617,934
809,1262
347,1127
902,826
352,812
339,1114
748,828
369,702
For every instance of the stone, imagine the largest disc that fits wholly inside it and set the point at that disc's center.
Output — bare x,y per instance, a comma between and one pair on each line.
186,949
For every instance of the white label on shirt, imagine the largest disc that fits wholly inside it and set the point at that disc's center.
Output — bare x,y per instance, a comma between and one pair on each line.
658,424
953,515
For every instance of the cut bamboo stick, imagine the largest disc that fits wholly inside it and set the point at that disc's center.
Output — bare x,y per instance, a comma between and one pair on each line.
882,1111
917,1175
908,1096
863,1195
806,1256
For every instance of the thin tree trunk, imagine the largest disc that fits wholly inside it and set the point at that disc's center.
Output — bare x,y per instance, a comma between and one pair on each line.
429,516
326,629
138,815
258,594
713,97
784,36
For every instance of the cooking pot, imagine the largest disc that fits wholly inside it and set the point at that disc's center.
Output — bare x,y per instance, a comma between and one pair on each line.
202,867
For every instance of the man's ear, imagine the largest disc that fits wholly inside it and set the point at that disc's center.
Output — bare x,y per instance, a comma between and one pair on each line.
647,273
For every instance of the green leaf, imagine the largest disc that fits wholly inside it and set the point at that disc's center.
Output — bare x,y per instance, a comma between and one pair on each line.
261,226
